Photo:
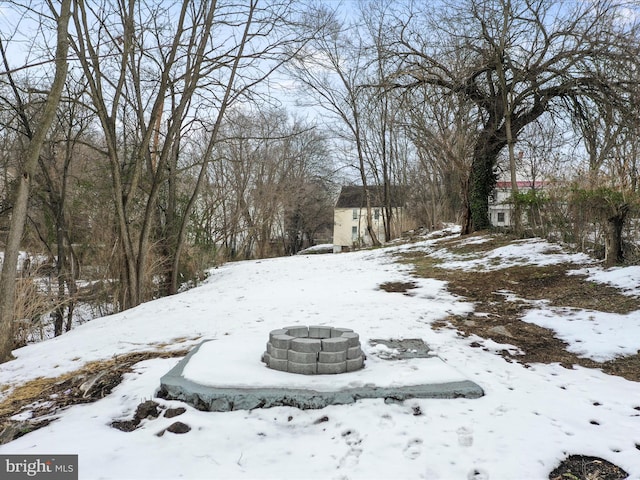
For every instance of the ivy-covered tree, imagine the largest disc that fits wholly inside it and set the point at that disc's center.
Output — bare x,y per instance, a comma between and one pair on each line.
514,62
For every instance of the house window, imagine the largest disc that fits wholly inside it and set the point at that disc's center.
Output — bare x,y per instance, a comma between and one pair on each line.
376,214
355,213
500,217
354,233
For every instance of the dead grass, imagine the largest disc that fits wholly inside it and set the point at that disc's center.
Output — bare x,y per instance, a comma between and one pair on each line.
44,397
503,323
478,242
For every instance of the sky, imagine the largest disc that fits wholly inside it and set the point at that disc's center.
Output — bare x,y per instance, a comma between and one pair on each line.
527,422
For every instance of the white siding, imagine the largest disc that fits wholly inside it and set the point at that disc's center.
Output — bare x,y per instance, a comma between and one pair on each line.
344,223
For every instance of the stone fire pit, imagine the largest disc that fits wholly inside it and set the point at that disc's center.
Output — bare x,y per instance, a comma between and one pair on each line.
314,350
223,373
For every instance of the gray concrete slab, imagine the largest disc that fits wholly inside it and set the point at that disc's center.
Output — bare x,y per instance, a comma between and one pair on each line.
174,385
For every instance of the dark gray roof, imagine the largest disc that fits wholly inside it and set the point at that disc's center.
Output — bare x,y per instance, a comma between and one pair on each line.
353,196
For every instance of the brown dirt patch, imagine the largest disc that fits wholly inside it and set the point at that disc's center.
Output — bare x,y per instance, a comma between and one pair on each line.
401,287
503,324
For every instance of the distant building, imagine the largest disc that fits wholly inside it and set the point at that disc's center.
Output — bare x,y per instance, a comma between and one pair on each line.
500,206
350,217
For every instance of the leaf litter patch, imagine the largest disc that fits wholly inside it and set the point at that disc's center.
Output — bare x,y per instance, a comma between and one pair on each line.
399,287
582,467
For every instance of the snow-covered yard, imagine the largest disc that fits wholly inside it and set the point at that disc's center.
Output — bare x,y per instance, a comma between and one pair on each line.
530,418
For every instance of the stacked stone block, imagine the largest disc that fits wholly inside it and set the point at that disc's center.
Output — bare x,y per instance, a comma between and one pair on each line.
314,350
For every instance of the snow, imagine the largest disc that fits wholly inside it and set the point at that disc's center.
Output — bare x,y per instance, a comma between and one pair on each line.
600,336
627,279
524,252
34,260
322,248
246,372
527,422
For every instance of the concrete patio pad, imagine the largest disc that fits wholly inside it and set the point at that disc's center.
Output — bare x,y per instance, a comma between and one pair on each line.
218,376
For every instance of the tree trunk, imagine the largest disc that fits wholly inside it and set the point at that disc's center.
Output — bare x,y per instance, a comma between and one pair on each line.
58,314
213,138
372,234
367,194
482,181
71,275
614,254
19,212
517,210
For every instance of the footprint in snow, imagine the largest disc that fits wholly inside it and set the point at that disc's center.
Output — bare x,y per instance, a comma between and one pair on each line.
413,449
352,457
477,474
386,421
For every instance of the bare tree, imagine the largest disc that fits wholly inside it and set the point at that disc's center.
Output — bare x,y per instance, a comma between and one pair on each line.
442,128
132,54
544,160
386,144
267,38
35,135
538,60
332,70
272,175
58,223
159,74
608,187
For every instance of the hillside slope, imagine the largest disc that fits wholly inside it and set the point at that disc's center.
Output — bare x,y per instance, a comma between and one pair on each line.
469,299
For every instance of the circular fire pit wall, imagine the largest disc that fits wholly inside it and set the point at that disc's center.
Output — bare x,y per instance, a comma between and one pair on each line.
314,350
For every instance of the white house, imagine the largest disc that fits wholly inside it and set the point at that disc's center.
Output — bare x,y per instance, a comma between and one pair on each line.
350,217
500,206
